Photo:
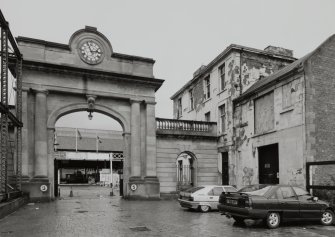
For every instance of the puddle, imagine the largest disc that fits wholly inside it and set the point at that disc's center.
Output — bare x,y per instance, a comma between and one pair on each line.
82,211
139,228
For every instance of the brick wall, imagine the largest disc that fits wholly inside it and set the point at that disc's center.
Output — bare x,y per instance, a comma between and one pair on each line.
320,111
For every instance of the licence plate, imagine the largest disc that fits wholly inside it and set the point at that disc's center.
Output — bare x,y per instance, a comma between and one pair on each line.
232,202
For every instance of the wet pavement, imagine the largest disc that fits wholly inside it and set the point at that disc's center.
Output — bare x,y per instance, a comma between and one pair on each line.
93,212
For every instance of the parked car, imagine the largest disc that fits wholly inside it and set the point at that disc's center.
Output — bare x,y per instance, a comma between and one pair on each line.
203,198
274,204
252,187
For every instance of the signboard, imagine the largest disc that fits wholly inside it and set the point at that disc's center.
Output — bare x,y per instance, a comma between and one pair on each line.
81,156
88,156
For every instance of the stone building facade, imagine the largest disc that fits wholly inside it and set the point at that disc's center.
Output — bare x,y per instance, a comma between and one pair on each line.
87,75
277,124
209,95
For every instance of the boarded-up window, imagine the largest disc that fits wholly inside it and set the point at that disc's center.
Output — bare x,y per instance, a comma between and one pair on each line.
287,95
264,114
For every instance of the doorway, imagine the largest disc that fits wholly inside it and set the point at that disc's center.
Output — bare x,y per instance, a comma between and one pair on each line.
225,168
268,163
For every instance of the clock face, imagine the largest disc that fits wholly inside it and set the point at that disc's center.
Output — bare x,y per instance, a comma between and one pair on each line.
91,52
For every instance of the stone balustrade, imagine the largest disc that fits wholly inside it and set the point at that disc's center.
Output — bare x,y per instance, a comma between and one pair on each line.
185,127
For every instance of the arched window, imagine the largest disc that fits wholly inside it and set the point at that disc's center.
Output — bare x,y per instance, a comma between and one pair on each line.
185,171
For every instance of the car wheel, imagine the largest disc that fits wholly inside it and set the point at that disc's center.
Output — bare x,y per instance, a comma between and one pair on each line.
327,217
204,208
273,220
238,220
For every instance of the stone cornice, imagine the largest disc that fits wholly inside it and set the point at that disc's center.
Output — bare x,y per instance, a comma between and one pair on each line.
126,134
42,91
66,69
184,136
135,101
67,47
150,102
71,90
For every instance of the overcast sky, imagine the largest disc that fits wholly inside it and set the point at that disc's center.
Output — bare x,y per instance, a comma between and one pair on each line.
180,35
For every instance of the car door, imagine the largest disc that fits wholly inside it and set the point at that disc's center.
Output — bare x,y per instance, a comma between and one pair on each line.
214,195
309,209
288,202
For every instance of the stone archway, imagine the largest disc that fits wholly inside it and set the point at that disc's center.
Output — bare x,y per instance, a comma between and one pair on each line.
57,80
186,170
55,115
110,112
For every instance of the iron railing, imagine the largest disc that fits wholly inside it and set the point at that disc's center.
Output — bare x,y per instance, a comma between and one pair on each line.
185,176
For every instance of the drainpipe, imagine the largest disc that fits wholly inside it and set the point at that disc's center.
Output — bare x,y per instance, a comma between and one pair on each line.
241,53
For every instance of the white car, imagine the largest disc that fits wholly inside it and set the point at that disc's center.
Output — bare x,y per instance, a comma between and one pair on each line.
203,198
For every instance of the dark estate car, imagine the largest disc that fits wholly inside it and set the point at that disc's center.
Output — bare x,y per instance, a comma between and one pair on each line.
275,203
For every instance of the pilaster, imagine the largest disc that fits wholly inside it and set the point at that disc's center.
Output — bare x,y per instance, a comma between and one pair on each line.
135,145
41,137
25,140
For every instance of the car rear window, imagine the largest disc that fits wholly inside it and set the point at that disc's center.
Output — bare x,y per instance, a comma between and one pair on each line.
194,189
252,188
230,189
260,192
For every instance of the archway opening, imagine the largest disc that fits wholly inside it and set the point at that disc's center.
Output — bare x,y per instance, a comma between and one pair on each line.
88,151
186,171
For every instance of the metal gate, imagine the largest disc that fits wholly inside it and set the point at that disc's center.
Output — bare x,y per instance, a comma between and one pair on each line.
185,176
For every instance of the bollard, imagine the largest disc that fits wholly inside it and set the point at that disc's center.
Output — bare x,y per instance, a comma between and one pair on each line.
71,192
111,193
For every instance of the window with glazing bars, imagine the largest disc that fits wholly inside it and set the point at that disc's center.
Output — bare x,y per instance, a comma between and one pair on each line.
222,121
222,77
207,88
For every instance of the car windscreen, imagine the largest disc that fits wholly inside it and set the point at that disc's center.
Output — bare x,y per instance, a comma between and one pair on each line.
193,190
260,192
230,189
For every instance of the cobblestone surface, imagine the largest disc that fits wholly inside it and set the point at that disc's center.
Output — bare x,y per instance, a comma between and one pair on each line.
93,212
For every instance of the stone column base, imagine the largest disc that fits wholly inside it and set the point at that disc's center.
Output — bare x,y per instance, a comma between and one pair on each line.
38,191
25,178
143,189
40,178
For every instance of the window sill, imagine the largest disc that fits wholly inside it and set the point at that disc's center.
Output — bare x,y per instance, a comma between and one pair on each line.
264,133
288,109
225,89
206,100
